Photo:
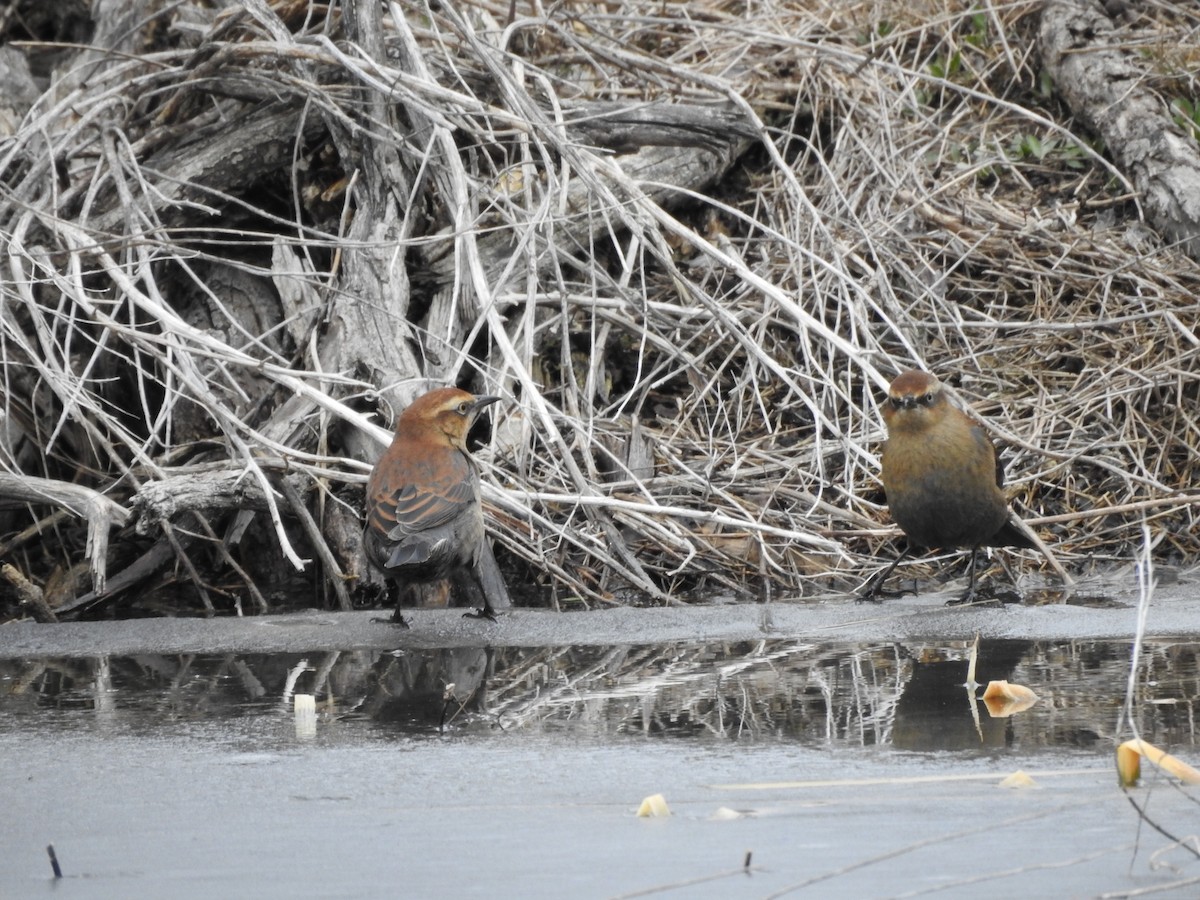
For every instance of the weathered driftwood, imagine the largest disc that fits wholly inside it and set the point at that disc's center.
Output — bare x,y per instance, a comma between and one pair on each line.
102,513
1107,88
210,492
145,566
29,594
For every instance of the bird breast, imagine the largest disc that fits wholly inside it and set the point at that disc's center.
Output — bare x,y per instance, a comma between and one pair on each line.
941,484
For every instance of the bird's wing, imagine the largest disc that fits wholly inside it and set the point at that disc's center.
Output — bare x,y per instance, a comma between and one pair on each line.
984,440
423,508
999,470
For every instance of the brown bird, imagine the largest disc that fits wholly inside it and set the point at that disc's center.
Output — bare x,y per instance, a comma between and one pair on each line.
942,477
424,519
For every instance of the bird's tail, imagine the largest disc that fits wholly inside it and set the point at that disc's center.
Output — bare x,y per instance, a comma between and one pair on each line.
1010,536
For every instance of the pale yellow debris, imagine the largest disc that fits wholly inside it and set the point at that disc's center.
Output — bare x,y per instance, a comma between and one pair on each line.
1129,763
654,806
1018,779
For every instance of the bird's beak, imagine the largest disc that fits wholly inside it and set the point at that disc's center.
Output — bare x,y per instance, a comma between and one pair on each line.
482,402
905,401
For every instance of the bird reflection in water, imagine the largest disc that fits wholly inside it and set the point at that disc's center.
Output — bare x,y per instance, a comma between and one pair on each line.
422,689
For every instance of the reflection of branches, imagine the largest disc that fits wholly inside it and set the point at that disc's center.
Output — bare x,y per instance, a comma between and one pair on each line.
822,694
754,690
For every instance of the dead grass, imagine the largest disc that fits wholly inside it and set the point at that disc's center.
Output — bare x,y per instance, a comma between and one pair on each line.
694,379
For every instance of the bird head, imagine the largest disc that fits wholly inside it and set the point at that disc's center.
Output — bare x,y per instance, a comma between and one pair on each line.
915,400
444,416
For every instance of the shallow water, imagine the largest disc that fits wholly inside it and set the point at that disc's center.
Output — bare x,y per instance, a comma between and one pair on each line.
908,696
515,771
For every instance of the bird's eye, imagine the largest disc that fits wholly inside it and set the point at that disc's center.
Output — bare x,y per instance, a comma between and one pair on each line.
463,407
927,400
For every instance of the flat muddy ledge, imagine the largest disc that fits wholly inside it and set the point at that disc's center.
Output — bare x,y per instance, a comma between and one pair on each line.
1174,612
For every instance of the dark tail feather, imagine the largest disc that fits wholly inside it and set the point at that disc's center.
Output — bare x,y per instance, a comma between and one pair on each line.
1009,536
491,581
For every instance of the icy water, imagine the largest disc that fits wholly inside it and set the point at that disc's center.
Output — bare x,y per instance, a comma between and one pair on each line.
858,770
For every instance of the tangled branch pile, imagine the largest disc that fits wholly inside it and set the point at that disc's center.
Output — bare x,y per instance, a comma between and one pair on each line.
689,243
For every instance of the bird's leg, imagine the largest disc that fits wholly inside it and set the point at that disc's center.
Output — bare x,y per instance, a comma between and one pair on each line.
971,595
473,584
392,594
396,594
872,591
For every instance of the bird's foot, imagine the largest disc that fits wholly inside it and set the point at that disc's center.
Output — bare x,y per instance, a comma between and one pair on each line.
396,619
875,593
486,613
981,598
986,594
974,598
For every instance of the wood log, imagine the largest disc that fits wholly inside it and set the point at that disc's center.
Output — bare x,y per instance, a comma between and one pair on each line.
218,491
1107,89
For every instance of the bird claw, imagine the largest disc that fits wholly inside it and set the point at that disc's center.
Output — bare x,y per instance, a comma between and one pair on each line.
485,613
876,593
977,598
973,598
986,594
397,620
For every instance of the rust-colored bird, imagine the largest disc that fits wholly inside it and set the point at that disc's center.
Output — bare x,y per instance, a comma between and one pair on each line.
424,520
942,477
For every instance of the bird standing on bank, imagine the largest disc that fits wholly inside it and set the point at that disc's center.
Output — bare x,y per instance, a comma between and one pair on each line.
424,518
942,477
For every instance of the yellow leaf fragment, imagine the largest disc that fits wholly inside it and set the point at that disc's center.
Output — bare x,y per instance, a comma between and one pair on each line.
1006,691
1003,699
1018,779
653,807
1129,763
